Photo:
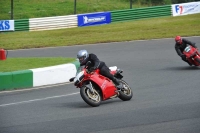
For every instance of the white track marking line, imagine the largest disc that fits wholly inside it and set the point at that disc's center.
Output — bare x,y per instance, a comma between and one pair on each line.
29,101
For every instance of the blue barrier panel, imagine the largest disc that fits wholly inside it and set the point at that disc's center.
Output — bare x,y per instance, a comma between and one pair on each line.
94,19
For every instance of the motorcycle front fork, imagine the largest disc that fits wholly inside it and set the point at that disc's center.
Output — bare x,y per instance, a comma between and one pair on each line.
90,86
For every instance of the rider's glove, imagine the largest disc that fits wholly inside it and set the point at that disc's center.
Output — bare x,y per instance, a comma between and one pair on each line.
92,69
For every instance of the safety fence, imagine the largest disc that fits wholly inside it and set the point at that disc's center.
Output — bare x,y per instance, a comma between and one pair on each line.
51,23
46,23
141,13
22,25
70,21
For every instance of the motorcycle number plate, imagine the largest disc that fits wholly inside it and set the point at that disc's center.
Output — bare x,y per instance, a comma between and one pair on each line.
187,49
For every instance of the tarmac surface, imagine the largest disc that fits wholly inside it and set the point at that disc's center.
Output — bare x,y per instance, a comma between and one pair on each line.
166,94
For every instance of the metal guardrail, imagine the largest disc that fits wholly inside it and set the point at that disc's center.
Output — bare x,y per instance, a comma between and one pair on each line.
141,13
51,23
59,22
22,25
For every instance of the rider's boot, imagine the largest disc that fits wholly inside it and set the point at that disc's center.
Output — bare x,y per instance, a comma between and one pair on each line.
189,63
118,84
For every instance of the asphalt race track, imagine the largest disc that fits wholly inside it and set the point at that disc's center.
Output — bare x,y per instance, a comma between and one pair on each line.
166,94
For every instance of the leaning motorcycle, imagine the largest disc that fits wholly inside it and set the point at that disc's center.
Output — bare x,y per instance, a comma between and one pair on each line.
95,88
192,55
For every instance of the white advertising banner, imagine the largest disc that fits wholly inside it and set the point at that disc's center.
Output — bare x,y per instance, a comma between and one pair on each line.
186,8
7,25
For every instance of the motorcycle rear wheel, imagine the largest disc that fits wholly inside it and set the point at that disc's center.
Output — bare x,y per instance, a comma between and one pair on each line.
126,93
91,98
198,60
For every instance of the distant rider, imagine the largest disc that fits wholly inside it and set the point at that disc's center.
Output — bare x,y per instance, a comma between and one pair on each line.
84,57
181,44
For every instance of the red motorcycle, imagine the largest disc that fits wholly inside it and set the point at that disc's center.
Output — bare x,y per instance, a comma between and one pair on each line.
192,55
95,88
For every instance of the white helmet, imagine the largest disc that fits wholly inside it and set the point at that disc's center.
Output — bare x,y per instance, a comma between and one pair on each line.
82,56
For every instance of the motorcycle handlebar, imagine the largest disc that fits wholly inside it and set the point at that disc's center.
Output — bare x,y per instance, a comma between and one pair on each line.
72,79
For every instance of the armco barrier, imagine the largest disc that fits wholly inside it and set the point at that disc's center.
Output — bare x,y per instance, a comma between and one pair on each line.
50,23
70,21
22,25
141,13
38,77
46,23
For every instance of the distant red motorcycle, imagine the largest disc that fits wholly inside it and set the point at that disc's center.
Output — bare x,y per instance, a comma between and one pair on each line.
95,88
192,55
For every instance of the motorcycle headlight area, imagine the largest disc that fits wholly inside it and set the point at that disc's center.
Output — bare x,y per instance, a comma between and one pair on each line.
187,49
79,77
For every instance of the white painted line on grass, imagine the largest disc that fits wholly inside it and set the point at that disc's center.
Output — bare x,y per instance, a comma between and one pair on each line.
46,98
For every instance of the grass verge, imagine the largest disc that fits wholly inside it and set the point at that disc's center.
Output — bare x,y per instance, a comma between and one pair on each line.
14,64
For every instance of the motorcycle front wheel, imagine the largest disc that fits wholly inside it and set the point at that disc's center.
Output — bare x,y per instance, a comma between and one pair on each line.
126,93
91,98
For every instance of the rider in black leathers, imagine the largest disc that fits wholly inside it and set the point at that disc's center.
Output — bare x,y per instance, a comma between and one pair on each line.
84,57
180,45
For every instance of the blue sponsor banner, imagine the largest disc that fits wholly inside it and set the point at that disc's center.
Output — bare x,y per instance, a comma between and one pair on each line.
6,25
94,19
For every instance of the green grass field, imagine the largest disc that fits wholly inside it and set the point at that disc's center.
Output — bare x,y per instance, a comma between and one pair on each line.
13,64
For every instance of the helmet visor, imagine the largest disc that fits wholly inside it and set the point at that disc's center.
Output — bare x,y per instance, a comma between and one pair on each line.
178,41
81,59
